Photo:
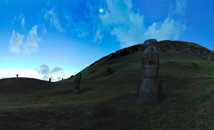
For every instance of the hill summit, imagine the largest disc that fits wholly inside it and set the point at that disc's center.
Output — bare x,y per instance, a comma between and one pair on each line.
189,47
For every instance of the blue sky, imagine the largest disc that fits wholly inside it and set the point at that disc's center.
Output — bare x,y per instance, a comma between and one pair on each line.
52,38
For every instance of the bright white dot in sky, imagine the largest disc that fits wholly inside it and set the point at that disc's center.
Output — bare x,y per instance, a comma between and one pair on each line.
101,10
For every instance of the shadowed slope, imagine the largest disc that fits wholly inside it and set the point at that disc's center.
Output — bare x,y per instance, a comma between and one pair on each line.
110,101
22,85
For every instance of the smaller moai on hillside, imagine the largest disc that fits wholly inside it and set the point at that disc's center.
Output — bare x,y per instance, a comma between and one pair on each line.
108,71
77,83
17,75
62,79
49,79
150,89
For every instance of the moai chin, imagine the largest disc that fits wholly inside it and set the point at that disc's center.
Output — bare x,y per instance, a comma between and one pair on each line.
77,83
150,89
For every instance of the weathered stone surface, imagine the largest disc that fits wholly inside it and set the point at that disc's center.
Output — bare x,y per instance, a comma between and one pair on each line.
150,59
150,89
149,71
77,83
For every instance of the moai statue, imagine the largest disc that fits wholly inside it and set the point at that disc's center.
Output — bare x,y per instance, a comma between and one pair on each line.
150,89
17,75
62,78
49,79
108,71
77,84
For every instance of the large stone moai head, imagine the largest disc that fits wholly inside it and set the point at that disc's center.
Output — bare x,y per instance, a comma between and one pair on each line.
150,90
77,83
150,59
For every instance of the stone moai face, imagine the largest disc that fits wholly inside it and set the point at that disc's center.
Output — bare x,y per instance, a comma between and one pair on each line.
150,89
78,79
150,59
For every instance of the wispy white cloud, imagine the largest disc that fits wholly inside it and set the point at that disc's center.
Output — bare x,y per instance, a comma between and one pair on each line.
180,7
55,73
79,28
31,44
82,33
18,20
44,30
56,70
98,36
16,42
69,18
168,29
22,18
46,78
43,69
129,27
59,78
52,17
23,22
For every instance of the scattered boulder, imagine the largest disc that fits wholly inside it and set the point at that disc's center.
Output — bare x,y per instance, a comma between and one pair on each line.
195,66
92,71
108,71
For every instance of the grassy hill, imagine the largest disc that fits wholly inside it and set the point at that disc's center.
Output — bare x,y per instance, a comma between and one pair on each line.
111,101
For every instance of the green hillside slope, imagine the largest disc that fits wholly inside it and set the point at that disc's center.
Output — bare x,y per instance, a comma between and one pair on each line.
110,101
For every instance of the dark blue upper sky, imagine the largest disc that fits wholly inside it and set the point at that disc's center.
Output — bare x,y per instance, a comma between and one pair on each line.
52,38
